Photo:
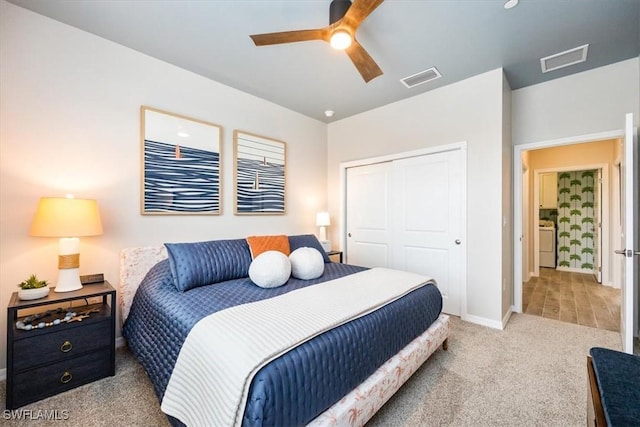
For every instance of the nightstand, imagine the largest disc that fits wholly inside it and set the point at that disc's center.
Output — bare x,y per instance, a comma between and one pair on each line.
46,361
335,253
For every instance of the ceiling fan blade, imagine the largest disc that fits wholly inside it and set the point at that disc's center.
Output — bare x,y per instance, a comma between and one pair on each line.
359,11
363,61
290,36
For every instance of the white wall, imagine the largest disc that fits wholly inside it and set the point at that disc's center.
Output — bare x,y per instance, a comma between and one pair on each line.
507,202
470,110
69,109
589,102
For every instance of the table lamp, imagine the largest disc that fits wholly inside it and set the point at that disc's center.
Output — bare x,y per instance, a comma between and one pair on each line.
322,221
68,219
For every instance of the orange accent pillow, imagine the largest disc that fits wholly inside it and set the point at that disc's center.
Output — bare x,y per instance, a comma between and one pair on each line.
260,244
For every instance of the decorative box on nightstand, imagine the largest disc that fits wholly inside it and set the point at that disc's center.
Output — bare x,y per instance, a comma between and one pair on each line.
46,361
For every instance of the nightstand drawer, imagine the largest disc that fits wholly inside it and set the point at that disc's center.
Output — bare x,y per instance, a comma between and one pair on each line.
38,383
60,345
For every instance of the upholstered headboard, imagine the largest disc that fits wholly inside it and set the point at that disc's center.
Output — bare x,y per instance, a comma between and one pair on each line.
135,263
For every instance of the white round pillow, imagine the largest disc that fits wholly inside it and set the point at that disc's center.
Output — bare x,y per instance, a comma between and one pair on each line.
270,269
306,263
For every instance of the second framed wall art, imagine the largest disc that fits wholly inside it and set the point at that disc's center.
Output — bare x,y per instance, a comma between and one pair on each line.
259,174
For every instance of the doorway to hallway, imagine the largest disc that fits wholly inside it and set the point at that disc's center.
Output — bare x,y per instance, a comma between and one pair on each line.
572,297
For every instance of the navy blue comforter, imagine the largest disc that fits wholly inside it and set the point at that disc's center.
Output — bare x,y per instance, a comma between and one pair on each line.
301,384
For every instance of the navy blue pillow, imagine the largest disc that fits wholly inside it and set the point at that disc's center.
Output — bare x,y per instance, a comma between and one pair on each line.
205,263
309,241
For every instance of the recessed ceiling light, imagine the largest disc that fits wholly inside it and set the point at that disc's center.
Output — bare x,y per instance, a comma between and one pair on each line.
510,4
328,113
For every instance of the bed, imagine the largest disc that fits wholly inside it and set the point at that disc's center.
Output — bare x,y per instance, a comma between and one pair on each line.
338,376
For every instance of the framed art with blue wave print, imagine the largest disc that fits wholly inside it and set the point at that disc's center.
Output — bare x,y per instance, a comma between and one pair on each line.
259,174
181,172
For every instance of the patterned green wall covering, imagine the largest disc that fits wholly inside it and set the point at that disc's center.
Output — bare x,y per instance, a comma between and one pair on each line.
576,219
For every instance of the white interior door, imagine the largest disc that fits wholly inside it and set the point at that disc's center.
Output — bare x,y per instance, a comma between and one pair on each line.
525,237
368,235
629,205
426,221
597,226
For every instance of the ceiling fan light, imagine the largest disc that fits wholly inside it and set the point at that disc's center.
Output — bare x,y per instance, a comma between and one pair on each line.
340,40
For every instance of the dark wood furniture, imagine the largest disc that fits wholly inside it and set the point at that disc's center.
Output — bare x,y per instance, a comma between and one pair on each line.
595,413
614,395
46,361
335,253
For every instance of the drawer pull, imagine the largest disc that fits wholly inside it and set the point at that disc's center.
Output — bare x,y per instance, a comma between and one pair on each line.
66,347
66,377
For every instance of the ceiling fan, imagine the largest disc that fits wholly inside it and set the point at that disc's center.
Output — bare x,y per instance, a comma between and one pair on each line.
344,20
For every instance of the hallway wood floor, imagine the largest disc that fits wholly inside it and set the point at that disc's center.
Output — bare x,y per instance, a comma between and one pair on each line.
572,297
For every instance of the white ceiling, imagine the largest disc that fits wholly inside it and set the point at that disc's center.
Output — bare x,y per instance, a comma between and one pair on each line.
461,38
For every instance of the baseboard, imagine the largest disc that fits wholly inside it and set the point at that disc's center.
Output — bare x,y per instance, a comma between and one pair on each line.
532,274
495,324
506,317
3,374
575,270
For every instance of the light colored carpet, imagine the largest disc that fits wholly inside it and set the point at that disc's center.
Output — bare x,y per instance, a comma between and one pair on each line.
533,373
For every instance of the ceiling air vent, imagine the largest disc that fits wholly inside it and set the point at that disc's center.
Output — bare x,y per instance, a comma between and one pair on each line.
421,77
564,59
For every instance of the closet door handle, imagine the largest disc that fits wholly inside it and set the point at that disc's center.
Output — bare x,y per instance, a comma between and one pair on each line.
458,241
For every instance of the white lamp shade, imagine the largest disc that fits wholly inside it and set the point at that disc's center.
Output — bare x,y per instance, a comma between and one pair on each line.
322,219
68,219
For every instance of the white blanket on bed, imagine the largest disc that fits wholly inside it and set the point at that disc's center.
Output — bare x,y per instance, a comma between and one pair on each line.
210,381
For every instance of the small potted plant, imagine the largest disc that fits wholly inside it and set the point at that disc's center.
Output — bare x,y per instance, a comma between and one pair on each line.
32,288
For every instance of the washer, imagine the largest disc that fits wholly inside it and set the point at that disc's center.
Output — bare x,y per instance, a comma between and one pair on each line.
547,246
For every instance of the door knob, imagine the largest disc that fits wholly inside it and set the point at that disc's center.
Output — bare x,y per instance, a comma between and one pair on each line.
349,234
626,252
457,241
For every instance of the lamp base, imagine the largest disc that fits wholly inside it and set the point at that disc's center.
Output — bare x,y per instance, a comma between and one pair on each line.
68,280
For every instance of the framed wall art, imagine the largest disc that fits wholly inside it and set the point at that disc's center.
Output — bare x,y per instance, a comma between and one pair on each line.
181,172
259,174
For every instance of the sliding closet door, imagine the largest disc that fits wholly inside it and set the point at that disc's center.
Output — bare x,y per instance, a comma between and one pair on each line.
368,236
426,221
408,214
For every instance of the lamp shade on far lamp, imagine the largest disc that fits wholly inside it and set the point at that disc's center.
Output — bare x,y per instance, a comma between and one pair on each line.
322,221
68,219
